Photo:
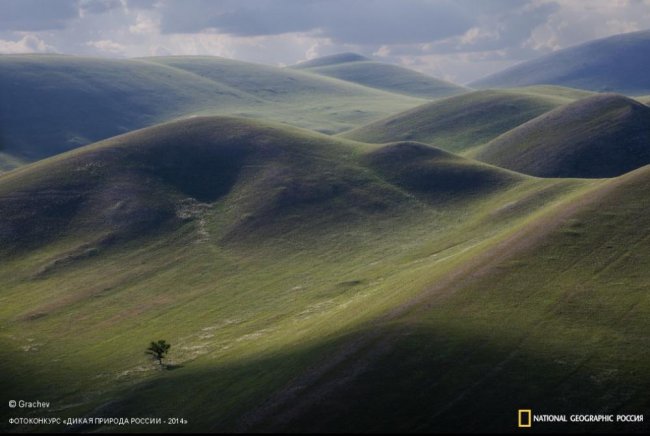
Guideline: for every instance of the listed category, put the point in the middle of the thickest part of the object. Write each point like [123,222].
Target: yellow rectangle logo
[524,418]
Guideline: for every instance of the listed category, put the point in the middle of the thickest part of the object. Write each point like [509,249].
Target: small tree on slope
[158,350]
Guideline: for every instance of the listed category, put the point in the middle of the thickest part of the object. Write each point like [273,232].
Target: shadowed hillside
[53,103]
[358,69]
[600,136]
[459,123]
[437,175]
[614,64]
[135,182]
[265,174]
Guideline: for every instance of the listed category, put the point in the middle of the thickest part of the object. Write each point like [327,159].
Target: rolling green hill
[257,250]
[393,78]
[54,103]
[462,122]
[554,318]
[600,136]
[614,64]
[135,182]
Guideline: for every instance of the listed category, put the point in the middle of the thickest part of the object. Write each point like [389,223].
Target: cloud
[349,21]
[31,15]
[508,29]
[460,40]
[28,44]
[106,45]
[98,6]
[144,24]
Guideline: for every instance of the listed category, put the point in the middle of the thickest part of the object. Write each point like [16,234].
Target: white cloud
[29,43]
[108,46]
[144,24]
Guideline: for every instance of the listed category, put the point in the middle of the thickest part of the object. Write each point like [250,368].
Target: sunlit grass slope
[604,135]
[462,122]
[364,71]
[554,320]
[257,250]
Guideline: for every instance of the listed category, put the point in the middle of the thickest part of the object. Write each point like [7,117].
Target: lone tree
[158,350]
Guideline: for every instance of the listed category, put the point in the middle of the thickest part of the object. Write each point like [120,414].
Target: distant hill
[615,64]
[393,78]
[462,122]
[323,61]
[604,135]
[54,103]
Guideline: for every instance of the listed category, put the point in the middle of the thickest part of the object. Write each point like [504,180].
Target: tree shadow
[173,366]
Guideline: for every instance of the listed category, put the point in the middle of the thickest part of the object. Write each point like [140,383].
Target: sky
[457,40]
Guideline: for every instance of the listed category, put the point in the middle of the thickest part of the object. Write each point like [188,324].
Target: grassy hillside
[601,136]
[294,97]
[554,319]
[462,122]
[54,103]
[610,64]
[387,77]
[136,182]
[256,250]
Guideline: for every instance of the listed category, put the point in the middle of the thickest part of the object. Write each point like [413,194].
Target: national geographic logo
[525,418]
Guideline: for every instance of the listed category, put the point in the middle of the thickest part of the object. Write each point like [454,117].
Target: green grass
[604,135]
[387,77]
[559,326]
[463,122]
[301,245]
[103,98]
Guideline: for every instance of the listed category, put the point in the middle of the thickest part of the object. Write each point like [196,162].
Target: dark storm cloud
[350,21]
[30,15]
